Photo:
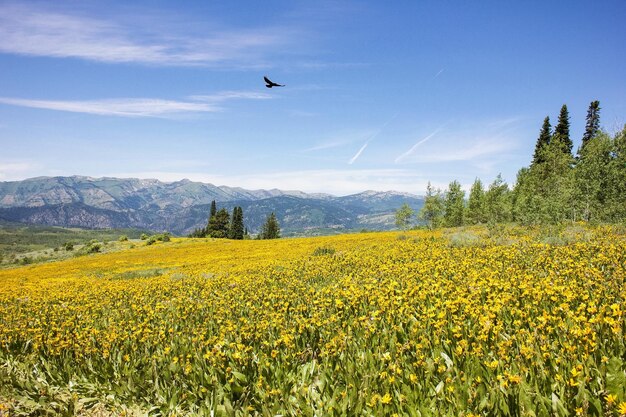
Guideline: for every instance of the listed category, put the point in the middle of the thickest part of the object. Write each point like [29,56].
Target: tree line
[557,186]
[222,225]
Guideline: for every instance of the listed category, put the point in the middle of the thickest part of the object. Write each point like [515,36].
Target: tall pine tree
[219,225]
[213,209]
[561,132]
[544,140]
[593,123]
[236,225]
[270,229]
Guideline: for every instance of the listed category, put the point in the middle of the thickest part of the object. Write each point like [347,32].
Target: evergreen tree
[432,211]
[403,216]
[561,132]
[454,205]
[593,123]
[219,225]
[544,139]
[213,209]
[208,230]
[236,225]
[476,204]
[271,228]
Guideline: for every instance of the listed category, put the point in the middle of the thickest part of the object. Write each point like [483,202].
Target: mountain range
[182,206]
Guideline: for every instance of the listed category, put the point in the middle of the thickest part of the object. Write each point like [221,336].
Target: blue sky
[379,95]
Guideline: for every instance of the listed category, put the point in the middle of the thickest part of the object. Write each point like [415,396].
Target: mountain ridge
[180,206]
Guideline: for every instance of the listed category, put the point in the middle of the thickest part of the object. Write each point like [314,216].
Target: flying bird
[269,83]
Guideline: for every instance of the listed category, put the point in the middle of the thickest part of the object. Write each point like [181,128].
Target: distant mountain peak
[183,205]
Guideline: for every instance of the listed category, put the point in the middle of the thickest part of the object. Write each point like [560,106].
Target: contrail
[356,156]
[414,147]
[439,73]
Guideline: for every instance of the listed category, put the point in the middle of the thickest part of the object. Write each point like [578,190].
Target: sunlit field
[457,323]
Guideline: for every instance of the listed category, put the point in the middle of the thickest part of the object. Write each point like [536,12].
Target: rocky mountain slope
[180,207]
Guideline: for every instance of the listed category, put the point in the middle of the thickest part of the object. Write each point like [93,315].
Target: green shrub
[324,250]
[464,239]
[93,247]
[161,237]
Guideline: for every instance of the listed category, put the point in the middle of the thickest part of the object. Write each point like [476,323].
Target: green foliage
[561,132]
[123,238]
[324,250]
[475,212]
[403,216]
[219,224]
[68,246]
[433,209]
[543,192]
[544,140]
[454,205]
[92,247]
[615,209]
[213,211]
[555,188]
[18,238]
[498,201]
[237,230]
[271,228]
[592,178]
[465,239]
[161,237]
[592,126]
[144,236]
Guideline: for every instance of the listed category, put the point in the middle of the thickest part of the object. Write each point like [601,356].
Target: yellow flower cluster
[376,326]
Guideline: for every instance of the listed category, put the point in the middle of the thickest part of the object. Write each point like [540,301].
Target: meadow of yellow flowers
[369,324]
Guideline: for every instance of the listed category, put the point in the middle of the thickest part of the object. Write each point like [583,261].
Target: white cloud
[137,107]
[480,144]
[35,30]
[14,171]
[332,181]
[341,138]
[468,151]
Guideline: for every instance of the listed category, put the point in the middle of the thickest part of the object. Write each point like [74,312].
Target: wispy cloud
[36,30]
[138,107]
[378,132]
[356,156]
[413,148]
[341,138]
[479,144]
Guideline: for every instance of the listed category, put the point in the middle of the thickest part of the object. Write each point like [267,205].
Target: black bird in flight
[269,83]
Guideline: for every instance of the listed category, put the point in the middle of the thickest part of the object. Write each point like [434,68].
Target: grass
[26,244]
